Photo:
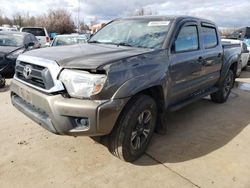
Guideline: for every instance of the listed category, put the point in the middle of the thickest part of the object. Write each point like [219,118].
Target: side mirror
[30,45]
[245,51]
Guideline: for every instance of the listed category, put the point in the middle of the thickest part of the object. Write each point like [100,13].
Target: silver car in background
[65,40]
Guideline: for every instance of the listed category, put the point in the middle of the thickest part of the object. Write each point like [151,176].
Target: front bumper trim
[58,114]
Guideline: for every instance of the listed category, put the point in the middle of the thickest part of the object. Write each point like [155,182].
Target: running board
[195,97]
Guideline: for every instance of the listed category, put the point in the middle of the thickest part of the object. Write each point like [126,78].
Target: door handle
[220,54]
[204,62]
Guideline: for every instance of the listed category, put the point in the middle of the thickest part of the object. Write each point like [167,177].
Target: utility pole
[78,16]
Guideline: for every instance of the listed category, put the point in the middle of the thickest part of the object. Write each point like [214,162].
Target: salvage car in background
[40,33]
[13,44]
[244,58]
[241,33]
[8,29]
[64,40]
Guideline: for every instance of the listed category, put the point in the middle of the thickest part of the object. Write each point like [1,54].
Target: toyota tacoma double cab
[121,83]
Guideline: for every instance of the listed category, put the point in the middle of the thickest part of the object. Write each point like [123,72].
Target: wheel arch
[231,64]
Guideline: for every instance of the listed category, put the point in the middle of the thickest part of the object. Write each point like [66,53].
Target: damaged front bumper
[66,116]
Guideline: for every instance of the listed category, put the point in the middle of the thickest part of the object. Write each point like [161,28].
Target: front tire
[222,95]
[134,129]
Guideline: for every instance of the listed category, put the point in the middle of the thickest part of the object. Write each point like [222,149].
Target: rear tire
[134,129]
[222,95]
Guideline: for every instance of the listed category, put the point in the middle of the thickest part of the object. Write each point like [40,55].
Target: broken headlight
[82,84]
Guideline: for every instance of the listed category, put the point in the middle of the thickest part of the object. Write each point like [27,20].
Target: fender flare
[227,65]
[137,84]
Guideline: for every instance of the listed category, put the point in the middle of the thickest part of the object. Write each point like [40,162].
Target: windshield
[247,42]
[35,31]
[11,40]
[69,40]
[134,33]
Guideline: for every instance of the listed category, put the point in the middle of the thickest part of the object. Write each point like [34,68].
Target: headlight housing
[15,54]
[82,84]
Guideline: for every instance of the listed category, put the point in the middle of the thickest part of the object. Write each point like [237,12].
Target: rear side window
[187,39]
[210,39]
[35,31]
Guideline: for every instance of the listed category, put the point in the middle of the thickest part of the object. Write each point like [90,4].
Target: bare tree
[18,19]
[225,32]
[83,26]
[1,18]
[30,21]
[4,20]
[58,21]
[23,20]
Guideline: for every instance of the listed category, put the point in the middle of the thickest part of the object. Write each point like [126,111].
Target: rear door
[212,54]
[185,65]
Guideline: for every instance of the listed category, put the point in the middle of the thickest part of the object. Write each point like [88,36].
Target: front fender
[138,84]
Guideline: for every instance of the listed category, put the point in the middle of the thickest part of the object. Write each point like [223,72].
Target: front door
[185,62]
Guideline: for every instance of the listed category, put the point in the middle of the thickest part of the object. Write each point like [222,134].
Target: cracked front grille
[39,75]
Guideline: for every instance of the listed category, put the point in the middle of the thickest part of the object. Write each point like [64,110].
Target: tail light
[47,39]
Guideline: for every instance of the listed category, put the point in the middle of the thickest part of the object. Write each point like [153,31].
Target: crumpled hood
[7,49]
[86,56]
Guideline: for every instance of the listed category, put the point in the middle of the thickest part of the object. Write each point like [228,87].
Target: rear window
[210,38]
[35,31]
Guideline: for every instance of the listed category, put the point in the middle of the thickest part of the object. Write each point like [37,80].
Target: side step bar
[191,99]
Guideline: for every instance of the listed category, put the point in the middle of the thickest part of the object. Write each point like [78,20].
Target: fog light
[82,123]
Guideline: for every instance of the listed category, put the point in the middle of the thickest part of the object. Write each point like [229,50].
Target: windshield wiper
[123,44]
[94,41]
[118,44]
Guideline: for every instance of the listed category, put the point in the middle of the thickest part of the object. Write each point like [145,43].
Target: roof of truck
[166,17]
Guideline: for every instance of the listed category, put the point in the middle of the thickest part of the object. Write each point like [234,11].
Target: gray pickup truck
[120,84]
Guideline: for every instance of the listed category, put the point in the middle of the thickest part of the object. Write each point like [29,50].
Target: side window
[209,37]
[187,39]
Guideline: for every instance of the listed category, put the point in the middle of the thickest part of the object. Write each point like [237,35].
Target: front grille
[39,77]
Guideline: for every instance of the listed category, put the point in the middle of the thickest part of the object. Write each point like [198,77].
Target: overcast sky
[226,13]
